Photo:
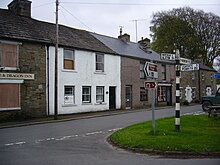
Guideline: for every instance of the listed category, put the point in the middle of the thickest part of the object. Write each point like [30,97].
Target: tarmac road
[83,142]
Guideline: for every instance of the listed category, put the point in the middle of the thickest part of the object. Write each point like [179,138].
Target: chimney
[20,7]
[144,43]
[125,37]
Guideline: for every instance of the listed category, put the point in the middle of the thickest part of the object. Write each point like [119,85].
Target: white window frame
[69,58]
[100,95]
[69,98]
[86,94]
[97,69]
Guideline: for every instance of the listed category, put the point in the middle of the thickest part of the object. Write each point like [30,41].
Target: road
[83,142]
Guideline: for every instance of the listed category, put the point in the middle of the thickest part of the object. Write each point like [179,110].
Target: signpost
[185,61]
[189,67]
[167,56]
[152,85]
[150,70]
[186,67]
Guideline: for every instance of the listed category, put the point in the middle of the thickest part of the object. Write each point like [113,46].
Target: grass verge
[198,134]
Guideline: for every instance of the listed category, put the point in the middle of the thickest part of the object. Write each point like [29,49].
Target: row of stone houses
[95,72]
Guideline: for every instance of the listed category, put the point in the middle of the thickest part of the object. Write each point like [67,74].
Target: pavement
[69,117]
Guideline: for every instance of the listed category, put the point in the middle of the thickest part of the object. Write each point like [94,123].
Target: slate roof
[129,49]
[23,28]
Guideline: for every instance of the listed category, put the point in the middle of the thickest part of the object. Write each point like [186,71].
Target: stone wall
[32,59]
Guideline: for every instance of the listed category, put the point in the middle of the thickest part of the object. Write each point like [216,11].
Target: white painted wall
[84,75]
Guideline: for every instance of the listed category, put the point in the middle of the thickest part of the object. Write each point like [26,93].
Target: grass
[198,134]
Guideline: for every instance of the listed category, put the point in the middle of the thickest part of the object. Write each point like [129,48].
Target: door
[112,98]
[169,96]
[128,97]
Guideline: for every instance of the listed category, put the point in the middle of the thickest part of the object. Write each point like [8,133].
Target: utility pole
[56,67]
[177,107]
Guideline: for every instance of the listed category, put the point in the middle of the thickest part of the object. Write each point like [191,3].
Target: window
[143,94]
[69,95]
[163,72]
[193,92]
[142,74]
[193,75]
[99,94]
[69,59]
[9,96]
[8,55]
[203,76]
[99,58]
[161,94]
[86,94]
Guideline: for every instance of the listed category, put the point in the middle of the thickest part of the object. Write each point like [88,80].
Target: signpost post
[152,85]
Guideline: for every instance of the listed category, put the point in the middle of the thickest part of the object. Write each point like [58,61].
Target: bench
[214,110]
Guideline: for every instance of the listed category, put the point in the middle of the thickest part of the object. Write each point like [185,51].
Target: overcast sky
[105,16]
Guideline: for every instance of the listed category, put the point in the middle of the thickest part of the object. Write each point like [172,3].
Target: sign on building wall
[23,76]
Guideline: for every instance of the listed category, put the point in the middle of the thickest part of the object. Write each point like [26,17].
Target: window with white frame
[69,95]
[99,59]
[86,94]
[142,74]
[100,94]
[69,59]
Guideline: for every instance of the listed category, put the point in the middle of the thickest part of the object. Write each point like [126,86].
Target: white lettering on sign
[23,76]
[185,61]
[167,56]
[150,70]
[190,67]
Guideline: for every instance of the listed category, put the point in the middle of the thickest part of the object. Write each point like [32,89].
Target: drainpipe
[47,80]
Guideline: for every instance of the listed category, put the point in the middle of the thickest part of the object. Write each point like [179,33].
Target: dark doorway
[169,96]
[112,98]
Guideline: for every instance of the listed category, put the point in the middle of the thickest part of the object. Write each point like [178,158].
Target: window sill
[70,71]
[9,68]
[10,109]
[86,103]
[100,72]
[101,103]
[69,105]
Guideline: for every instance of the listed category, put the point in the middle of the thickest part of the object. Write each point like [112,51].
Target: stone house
[198,83]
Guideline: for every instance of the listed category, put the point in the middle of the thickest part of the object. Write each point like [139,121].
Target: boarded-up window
[8,55]
[9,96]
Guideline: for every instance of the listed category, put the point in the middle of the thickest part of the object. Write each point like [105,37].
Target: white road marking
[64,137]
[17,143]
